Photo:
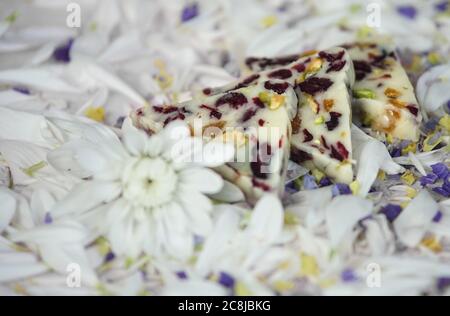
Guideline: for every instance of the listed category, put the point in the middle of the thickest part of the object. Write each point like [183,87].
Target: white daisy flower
[146,194]
[249,261]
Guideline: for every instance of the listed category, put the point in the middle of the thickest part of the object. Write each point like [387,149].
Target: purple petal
[48,218]
[189,12]
[182,275]
[428,179]
[443,283]
[407,11]
[22,90]
[437,218]
[309,183]
[430,125]
[442,6]
[441,191]
[110,256]
[226,280]
[325,181]
[396,152]
[440,169]
[62,53]
[348,275]
[391,211]
[340,189]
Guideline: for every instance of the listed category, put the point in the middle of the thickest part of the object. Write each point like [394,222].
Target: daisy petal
[413,222]
[8,203]
[343,213]
[229,193]
[203,180]
[267,219]
[86,196]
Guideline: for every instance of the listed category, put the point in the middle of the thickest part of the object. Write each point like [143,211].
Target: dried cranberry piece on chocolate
[332,57]
[334,120]
[339,152]
[307,136]
[313,85]
[336,66]
[249,114]
[378,60]
[234,99]
[299,67]
[179,116]
[260,185]
[213,112]
[413,109]
[324,142]
[362,68]
[299,156]
[258,102]
[280,74]
[276,87]
[165,109]
[263,155]
[266,62]
[247,81]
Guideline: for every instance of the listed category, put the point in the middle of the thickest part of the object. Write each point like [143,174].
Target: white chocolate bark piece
[383,95]
[321,129]
[321,132]
[257,119]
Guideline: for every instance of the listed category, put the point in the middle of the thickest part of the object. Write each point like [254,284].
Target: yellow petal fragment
[95,113]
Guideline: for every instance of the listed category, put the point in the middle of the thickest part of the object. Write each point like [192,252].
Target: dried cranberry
[413,109]
[334,120]
[280,74]
[260,185]
[234,99]
[324,142]
[256,167]
[213,112]
[179,116]
[184,110]
[249,114]
[299,67]
[268,62]
[378,60]
[313,85]
[250,61]
[299,156]
[158,109]
[307,136]
[261,122]
[336,66]
[258,102]
[340,153]
[296,124]
[362,68]
[165,109]
[207,91]
[263,154]
[276,87]
[247,81]
[250,79]
[332,57]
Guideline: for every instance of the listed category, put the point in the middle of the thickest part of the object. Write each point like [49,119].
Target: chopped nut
[392,93]
[328,104]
